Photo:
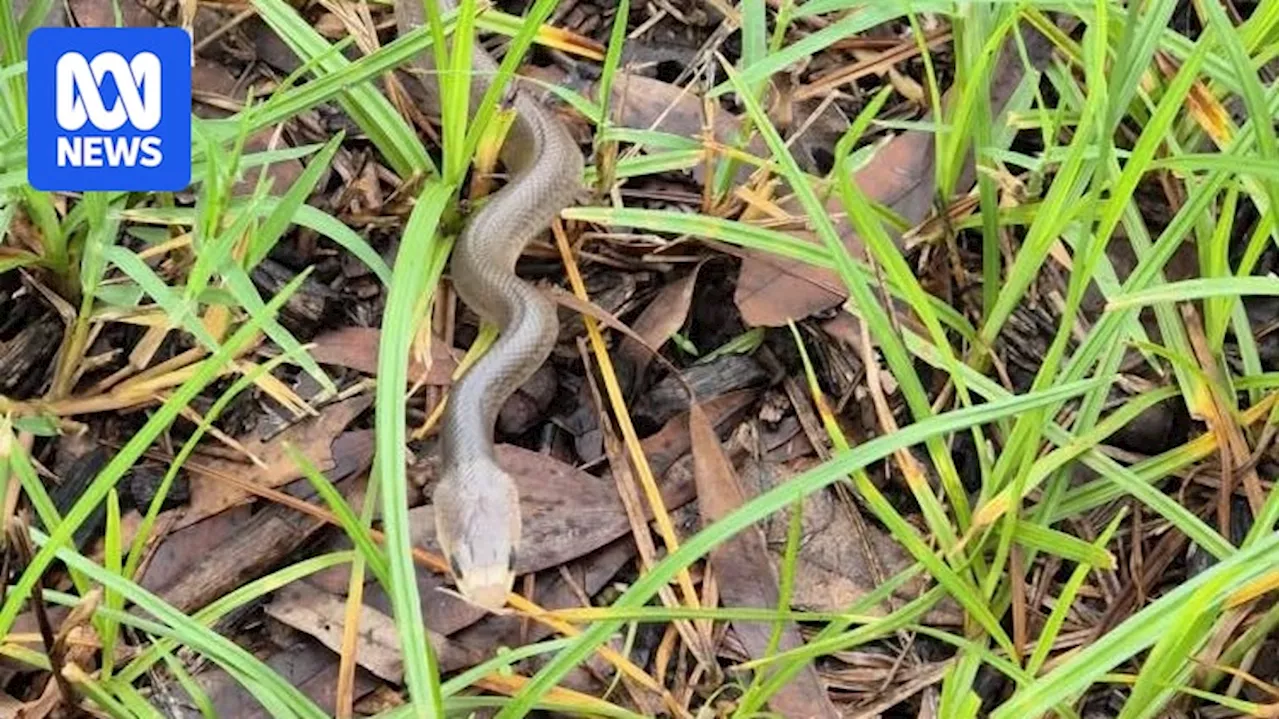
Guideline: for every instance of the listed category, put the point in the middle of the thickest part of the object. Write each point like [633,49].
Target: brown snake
[476,504]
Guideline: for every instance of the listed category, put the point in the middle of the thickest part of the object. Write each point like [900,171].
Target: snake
[476,502]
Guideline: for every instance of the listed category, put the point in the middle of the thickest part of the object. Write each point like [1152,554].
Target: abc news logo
[109,109]
[79,101]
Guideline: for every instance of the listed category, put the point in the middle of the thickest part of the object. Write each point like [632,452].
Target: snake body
[476,503]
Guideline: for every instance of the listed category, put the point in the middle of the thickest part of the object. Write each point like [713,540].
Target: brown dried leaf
[832,570]
[330,26]
[771,290]
[93,13]
[321,615]
[556,531]
[261,540]
[664,316]
[42,706]
[182,549]
[312,438]
[672,442]
[648,103]
[10,706]
[303,663]
[357,348]
[900,176]
[745,574]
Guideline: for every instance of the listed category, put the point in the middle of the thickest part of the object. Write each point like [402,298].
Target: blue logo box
[109,109]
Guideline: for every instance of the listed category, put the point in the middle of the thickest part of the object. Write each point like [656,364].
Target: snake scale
[476,503]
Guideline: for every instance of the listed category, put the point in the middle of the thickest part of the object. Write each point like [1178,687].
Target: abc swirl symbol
[79,100]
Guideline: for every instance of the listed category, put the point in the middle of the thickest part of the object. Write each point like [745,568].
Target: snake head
[478,526]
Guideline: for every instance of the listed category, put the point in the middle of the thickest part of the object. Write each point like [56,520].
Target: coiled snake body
[476,504]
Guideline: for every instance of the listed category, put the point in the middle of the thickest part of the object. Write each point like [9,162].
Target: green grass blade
[347,518]
[1197,289]
[408,285]
[1061,544]
[180,311]
[281,216]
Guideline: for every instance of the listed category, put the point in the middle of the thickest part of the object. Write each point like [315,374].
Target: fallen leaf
[772,290]
[445,613]
[42,706]
[321,615]
[556,531]
[182,549]
[303,663]
[330,26]
[664,316]
[261,541]
[745,574]
[10,706]
[900,175]
[312,438]
[833,567]
[648,103]
[592,559]
[664,447]
[1218,413]
[357,348]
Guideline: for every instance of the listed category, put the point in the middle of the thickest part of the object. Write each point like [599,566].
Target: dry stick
[1018,601]
[20,540]
[624,479]
[663,520]
[344,696]
[224,29]
[873,65]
